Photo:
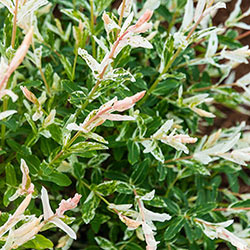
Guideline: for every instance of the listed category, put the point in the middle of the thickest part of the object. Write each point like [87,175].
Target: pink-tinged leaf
[115,117]
[18,58]
[128,102]
[149,237]
[68,204]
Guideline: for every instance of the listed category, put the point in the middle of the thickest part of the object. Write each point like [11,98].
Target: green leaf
[70,86]
[58,178]
[49,73]
[10,175]
[89,207]
[105,244]
[97,221]
[101,5]
[202,209]
[67,66]
[124,188]
[85,146]
[174,227]
[245,203]
[106,188]
[39,242]
[133,152]
[167,87]
[130,245]
[140,173]
[7,194]
[32,161]
[31,123]
[56,133]
[189,231]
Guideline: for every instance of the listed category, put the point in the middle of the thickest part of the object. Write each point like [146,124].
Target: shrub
[104,113]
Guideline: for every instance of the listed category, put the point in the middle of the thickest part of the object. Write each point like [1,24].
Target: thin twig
[179,159]
[122,13]
[231,208]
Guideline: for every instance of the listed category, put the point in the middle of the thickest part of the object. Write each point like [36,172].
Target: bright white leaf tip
[188,16]
[74,126]
[149,196]
[10,93]
[7,113]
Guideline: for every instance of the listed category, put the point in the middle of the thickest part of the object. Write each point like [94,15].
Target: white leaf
[10,93]
[127,9]
[244,80]
[206,32]
[156,216]
[7,113]
[235,12]
[9,5]
[92,63]
[218,5]
[240,244]
[101,44]
[29,7]
[212,45]
[109,23]
[238,55]
[74,126]
[188,16]
[149,237]
[149,145]
[202,112]
[199,9]
[47,211]
[50,118]
[127,22]
[242,25]
[122,207]
[164,128]
[171,141]
[202,157]
[59,223]
[37,115]
[16,217]
[148,196]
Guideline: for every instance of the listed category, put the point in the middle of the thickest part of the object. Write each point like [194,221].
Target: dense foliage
[102,113]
